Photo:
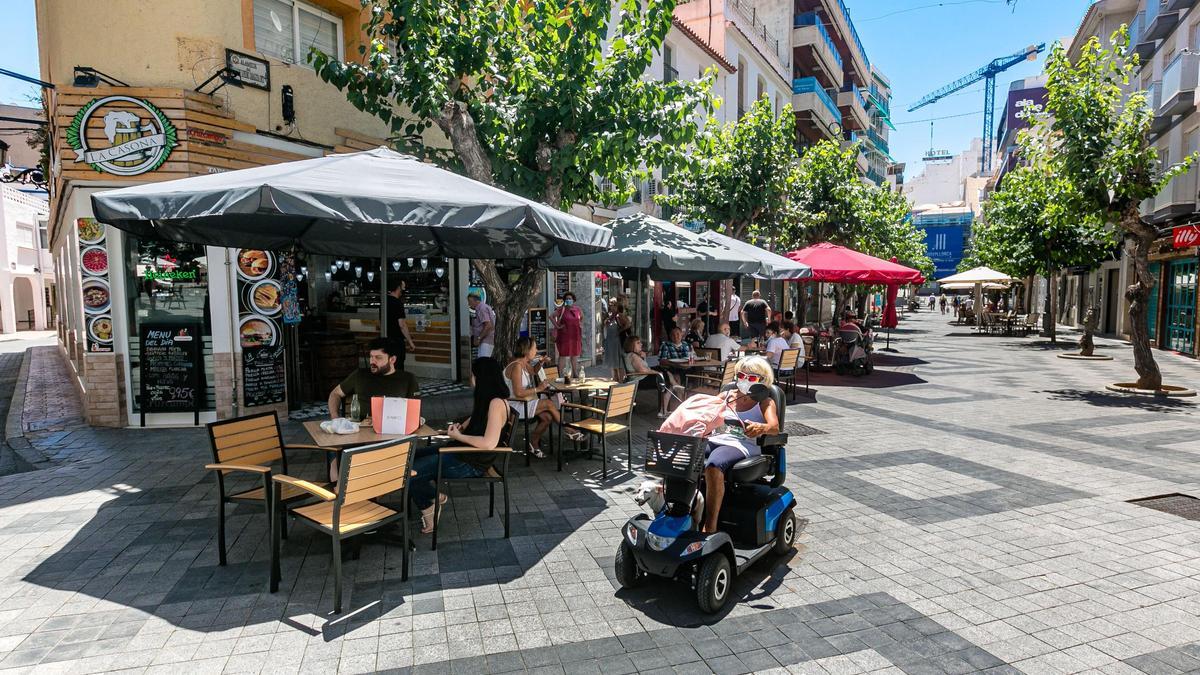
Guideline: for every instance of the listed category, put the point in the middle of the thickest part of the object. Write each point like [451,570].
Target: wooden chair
[250,445]
[366,473]
[710,382]
[603,423]
[789,363]
[1030,323]
[709,353]
[500,475]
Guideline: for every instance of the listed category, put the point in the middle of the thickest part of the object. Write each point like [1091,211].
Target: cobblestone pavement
[967,509]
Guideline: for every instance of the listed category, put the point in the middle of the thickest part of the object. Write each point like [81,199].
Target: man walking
[735,313]
[755,313]
[397,328]
[483,325]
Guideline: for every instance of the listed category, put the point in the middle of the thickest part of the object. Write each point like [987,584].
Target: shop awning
[349,205]
[663,250]
[782,269]
[840,265]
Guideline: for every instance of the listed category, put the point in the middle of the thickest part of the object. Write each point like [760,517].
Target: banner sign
[121,135]
[1186,236]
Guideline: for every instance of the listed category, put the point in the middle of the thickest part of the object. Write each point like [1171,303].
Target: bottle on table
[355,409]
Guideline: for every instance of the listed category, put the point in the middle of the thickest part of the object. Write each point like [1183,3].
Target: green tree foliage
[539,98]
[1034,224]
[1098,132]
[738,177]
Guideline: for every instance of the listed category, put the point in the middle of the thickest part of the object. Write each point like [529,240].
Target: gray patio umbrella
[782,269]
[354,204]
[663,251]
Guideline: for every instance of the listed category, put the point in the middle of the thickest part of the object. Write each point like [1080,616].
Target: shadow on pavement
[1106,399]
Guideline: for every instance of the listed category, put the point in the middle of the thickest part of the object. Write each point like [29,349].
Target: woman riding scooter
[725,450]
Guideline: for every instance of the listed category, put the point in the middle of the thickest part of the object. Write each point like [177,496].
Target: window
[762,89]
[741,88]
[669,72]
[287,30]
[24,237]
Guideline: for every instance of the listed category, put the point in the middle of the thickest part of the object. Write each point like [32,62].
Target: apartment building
[27,293]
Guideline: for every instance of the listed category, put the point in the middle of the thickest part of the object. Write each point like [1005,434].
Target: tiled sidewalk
[966,510]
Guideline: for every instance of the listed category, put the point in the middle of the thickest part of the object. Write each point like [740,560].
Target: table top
[365,436]
[698,363]
[586,384]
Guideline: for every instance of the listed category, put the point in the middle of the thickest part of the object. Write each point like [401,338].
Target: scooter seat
[750,469]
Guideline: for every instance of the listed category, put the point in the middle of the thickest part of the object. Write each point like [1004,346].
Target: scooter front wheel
[714,582]
[625,567]
[785,533]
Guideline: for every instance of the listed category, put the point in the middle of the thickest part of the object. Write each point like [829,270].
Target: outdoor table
[365,436]
[697,363]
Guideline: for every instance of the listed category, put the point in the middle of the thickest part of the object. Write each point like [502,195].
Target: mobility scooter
[756,516]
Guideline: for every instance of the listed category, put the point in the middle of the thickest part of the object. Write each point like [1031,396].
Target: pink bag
[699,415]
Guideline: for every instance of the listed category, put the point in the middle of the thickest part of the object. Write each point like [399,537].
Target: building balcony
[854,110]
[855,140]
[1153,101]
[1143,46]
[1178,88]
[816,50]
[1159,21]
[1179,5]
[878,141]
[1178,198]
[841,28]
[814,105]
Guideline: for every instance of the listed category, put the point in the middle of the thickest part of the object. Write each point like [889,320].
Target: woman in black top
[483,430]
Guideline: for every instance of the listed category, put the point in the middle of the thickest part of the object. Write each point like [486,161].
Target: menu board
[536,319]
[170,369]
[264,376]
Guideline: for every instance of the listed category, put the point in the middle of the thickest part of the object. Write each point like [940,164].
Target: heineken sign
[121,135]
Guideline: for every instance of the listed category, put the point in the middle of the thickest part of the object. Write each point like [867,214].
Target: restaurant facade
[165,333]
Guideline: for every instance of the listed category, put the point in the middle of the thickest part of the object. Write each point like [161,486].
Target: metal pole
[383,288]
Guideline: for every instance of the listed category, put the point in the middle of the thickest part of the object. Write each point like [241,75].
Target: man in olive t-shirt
[380,378]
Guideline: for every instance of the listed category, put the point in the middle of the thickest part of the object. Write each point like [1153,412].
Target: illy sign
[1186,236]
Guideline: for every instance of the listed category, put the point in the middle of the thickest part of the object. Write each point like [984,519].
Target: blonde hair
[697,324]
[757,365]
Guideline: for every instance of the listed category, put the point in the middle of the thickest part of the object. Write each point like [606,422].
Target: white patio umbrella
[978,277]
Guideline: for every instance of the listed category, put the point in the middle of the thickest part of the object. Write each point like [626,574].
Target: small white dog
[650,495]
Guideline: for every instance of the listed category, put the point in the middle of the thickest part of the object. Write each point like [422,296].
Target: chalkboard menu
[170,369]
[264,377]
[536,321]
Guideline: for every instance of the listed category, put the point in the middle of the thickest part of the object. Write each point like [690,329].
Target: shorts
[485,349]
[723,457]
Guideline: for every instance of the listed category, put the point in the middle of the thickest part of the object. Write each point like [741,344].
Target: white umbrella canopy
[979,275]
[990,286]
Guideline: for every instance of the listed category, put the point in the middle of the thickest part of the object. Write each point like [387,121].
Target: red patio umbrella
[840,265]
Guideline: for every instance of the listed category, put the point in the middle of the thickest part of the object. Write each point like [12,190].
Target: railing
[809,85]
[1179,76]
[811,19]
[1180,190]
[858,93]
[854,34]
[1136,28]
[878,140]
[1154,95]
[875,177]
[772,41]
[1153,7]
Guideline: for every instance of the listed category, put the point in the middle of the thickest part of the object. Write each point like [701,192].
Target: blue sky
[921,48]
[918,46]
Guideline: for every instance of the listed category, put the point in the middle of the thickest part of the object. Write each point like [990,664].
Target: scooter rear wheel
[625,567]
[785,533]
[714,582]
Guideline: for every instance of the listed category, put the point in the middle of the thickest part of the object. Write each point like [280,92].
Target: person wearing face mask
[746,420]
[568,340]
[723,340]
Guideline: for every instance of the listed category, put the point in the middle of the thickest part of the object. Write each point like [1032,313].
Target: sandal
[536,451]
[427,522]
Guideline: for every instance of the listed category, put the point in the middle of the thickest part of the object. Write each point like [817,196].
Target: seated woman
[521,378]
[776,343]
[482,430]
[695,337]
[635,365]
[725,450]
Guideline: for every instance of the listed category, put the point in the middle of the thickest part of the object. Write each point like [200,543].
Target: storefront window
[167,283]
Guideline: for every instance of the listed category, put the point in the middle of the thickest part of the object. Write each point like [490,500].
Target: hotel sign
[121,135]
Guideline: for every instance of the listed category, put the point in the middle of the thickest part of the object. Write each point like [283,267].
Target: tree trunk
[510,301]
[1137,247]
[1050,321]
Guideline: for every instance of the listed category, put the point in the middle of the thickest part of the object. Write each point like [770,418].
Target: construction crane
[987,73]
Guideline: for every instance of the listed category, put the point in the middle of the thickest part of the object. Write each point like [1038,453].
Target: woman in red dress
[568,340]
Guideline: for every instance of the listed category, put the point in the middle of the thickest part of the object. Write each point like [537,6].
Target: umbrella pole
[383,288]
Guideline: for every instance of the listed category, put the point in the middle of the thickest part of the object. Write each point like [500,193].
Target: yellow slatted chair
[789,363]
[366,473]
[250,444]
[604,422]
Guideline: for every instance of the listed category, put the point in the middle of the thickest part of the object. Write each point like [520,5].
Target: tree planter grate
[797,429]
[1184,506]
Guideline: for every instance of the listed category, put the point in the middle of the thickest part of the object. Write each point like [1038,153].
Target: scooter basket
[674,456]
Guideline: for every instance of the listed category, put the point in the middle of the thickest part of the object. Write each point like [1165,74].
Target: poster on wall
[170,361]
[261,307]
[94,287]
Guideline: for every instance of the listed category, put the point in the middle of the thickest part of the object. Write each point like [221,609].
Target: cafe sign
[121,135]
[1185,236]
